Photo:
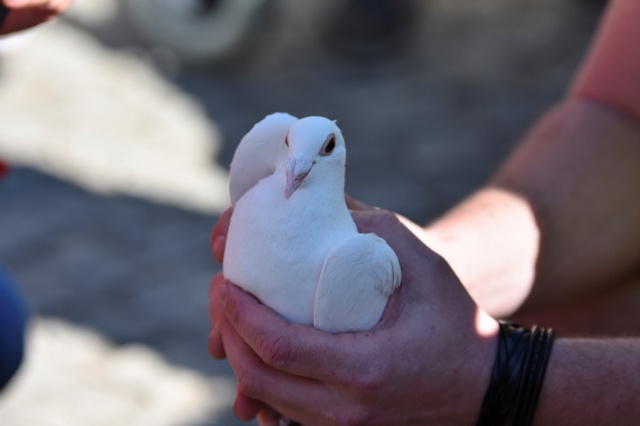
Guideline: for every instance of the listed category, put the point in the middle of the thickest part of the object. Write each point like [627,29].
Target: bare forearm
[591,382]
[567,198]
[610,74]
[579,171]
[562,216]
[491,242]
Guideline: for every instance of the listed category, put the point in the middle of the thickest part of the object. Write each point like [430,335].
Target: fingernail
[223,293]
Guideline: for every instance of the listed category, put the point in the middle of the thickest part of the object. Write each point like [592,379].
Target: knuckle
[233,315]
[368,382]
[250,384]
[387,216]
[216,347]
[356,415]
[375,220]
[439,265]
[275,350]
[381,218]
[366,378]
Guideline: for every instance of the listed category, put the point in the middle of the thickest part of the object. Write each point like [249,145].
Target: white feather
[303,256]
[258,153]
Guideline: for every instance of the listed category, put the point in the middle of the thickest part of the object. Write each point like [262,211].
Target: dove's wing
[258,154]
[357,278]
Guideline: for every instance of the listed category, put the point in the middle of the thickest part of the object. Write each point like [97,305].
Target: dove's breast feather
[292,241]
[276,258]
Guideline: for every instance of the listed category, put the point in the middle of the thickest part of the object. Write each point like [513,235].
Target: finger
[269,417]
[246,408]
[292,348]
[216,315]
[386,225]
[274,388]
[426,276]
[215,308]
[416,229]
[219,235]
[216,347]
[353,204]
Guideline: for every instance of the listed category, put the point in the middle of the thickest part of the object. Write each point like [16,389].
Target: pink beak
[297,171]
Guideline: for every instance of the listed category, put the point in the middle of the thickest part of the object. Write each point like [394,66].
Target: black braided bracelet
[516,379]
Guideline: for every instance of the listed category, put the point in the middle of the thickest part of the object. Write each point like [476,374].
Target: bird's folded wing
[258,153]
[356,280]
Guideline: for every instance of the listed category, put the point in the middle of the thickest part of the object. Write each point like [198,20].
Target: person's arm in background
[25,14]
[561,218]
[610,74]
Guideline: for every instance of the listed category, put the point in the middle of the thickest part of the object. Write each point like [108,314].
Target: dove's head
[314,143]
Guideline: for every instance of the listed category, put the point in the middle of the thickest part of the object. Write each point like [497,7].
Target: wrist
[474,374]
[484,355]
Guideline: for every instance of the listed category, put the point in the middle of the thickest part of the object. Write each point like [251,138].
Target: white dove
[292,241]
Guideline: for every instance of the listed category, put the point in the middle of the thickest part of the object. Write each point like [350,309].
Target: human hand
[219,234]
[428,360]
[29,13]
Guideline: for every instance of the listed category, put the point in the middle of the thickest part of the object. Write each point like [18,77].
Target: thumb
[387,226]
[426,276]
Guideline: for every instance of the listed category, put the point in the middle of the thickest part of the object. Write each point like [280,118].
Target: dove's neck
[324,186]
[331,183]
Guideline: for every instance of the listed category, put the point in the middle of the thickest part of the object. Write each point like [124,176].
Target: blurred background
[120,120]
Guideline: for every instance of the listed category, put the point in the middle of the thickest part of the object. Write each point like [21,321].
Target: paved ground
[121,156]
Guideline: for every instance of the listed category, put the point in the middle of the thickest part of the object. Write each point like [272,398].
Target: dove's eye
[329,146]
[286,140]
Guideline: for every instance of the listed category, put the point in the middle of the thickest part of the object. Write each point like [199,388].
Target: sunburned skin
[610,74]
